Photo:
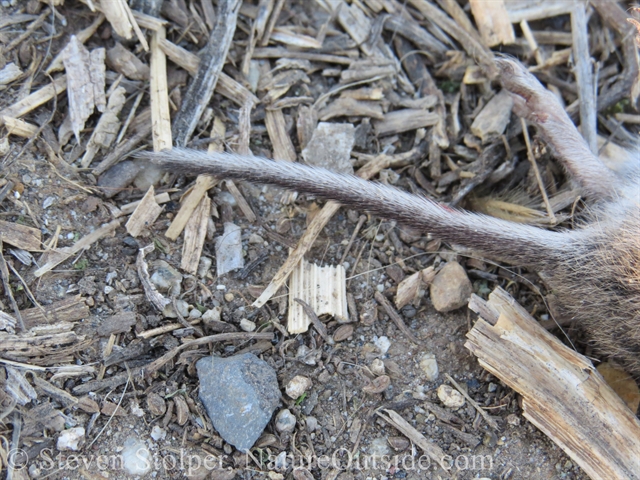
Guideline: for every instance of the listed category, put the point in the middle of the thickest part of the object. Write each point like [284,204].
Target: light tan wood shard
[350,107]
[353,20]
[160,116]
[195,233]
[409,288]
[563,395]
[189,205]
[21,236]
[7,322]
[19,127]
[53,258]
[144,215]
[85,85]
[283,148]
[123,61]
[324,289]
[492,121]
[404,120]
[433,451]
[529,10]
[160,198]
[82,36]
[107,128]
[116,13]
[33,101]
[70,310]
[288,37]
[493,22]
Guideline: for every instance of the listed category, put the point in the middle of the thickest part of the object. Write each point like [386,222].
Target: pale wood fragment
[278,52]
[493,22]
[160,116]
[492,121]
[529,10]
[21,236]
[19,127]
[82,36]
[54,258]
[563,395]
[69,309]
[195,233]
[283,148]
[324,289]
[128,208]
[33,101]
[107,127]
[190,203]
[144,215]
[405,120]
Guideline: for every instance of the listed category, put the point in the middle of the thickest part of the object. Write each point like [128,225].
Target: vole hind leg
[538,105]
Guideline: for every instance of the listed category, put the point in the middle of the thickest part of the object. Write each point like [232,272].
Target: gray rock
[330,147]
[285,421]
[240,394]
[450,288]
[118,177]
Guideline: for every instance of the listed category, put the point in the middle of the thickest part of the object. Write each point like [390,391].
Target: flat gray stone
[240,394]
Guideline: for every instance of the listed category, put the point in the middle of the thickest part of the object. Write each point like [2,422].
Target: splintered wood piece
[7,322]
[190,203]
[277,52]
[283,148]
[82,36]
[160,116]
[68,310]
[354,21]
[404,120]
[535,9]
[33,101]
[53,258]
[155,297]
[324,289]
[160,198]
[204,83]
[305,242]
[493,22]
[123,20]
[350,107]
[195,233]
[226,86]
[288,37]
[563,394]
[492,121]
[468,42]
[145,214]
[434,452]
[85,84]
[18,127]
[41,345]
[21,236]
[107,128]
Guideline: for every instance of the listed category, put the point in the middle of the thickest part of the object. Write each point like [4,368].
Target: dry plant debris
[109,293]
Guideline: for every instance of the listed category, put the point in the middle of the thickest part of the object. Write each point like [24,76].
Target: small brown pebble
[450,397]
[156,404]
[297,386]
[451,288]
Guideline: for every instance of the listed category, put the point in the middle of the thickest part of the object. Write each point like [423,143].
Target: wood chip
[322,288]
[405,120]
[160,116]
[33,101]
[493,22]
[194,236]
[492,121]
[144,215]
[54,258]
[69,310]
[21,236]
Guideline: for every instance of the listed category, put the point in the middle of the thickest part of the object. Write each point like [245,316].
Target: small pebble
[247,325]
[118,177]
[377,367]
[204,266]
[158,433]
[255,239]
[212,315]
[71,439]
[312,424]
[297,386]
[285,421]
[492,387]
[450,397]
[383,343]
[429,366]
[195,313]
[136,458]
[451,288]
[183,309]
[229,297]
[166,278]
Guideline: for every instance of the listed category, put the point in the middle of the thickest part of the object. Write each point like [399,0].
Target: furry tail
[521,244]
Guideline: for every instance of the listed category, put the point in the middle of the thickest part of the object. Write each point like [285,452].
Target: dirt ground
[337,425]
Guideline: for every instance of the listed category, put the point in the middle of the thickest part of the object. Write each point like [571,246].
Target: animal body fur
[594,270]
